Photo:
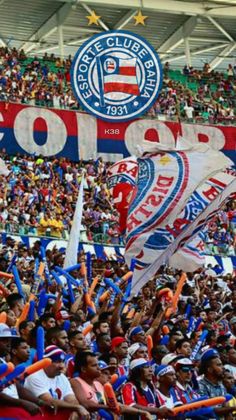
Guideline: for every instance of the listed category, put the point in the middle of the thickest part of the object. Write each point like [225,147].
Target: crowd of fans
[198,96]
[201,96]
[89,340]
[83,322]
[220,238]
[40,195]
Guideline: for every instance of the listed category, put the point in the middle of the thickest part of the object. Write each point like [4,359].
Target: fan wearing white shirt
[51,385]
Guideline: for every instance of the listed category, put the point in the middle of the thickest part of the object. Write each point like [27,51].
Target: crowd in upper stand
[40,195]
[192,95]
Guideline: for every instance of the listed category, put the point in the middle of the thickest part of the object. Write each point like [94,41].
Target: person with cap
[13,398]
[137,351]
[166,395]
[105,375]
[61,317]
[137,335]
[139,391]
[170,359]
[183,388]
[119,347]
[211,384]
[53,387]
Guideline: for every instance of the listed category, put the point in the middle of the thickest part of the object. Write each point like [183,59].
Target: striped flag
[119,75]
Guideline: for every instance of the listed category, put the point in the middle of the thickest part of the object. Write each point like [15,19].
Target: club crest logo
[116,76]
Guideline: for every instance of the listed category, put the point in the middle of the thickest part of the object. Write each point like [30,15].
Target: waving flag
[174,196]
[190,257]
[118,74]
[161,244]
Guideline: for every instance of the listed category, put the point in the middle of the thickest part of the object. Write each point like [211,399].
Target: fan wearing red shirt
[140,393]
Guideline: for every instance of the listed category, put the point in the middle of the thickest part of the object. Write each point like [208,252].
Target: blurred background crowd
[192,95]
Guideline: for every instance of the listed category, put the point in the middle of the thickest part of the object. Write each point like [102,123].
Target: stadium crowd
[74,343]
[193,95]
[156,357]
[40,195]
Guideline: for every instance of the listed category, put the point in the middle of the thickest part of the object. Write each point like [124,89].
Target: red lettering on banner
[164,181]
[152,199]
[211,193]
[156,199]
[123,168]
[178,226]
[144,211]
[132,222]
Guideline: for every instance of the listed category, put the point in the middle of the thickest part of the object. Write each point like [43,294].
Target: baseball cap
[170,358]
[103,365]
[163,370]
[137,363]
[62,315]
[209,354]
[5,331]
[135,331]
[184,363]
[135,347]
[54,353]
[117,341]
[233,320]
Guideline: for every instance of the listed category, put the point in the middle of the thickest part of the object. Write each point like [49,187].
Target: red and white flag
[119,75]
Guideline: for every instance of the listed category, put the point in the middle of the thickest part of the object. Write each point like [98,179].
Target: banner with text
[77,135]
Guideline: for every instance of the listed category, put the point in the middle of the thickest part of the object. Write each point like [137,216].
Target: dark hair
[12,299]
[97,324]
[45,317]
[52,333]
[75,318]
[81,358]
[174,331]
[16,342]
[135,376]
[155,351]
[107,357]
[180,342]
[100,337]
[205,364]
[72,334]
[23,325]
[103,317]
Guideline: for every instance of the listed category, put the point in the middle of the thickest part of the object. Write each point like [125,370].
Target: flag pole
[73,243]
